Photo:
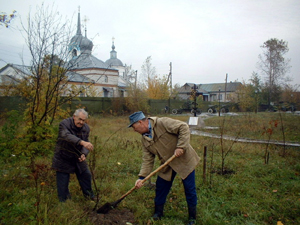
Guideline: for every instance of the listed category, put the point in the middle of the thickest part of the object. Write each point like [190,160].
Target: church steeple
[113,53]
[78,23]
[80,50]
[113,61]
[80,44]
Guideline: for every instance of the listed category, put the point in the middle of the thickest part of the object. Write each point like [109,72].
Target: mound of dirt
[114,216]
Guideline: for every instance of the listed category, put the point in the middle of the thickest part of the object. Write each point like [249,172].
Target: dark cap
[133,118]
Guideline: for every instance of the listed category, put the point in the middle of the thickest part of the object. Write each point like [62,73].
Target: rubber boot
[192,215]
[158,212]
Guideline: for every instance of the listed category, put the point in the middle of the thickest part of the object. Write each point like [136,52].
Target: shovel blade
[105,208]
[108,206]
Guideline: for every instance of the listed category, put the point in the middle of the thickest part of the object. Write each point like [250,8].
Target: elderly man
[164,137]
[71,150]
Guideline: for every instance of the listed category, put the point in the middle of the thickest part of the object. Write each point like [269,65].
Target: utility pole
[170,77]
[225,86]
[135,79]
[219,101]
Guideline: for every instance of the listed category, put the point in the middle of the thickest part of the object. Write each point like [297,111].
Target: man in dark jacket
[71,149]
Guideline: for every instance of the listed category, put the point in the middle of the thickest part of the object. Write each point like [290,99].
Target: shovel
[108,206]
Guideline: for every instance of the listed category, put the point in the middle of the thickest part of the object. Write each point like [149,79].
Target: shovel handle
[159,168]
[151,174]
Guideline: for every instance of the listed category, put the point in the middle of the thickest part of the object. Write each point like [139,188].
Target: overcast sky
[204,40]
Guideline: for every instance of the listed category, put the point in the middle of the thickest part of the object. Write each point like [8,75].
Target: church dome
[113,61]
[80,49]
[83,44]
[80,44]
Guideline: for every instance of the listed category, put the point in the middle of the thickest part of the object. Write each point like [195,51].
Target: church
[89,74]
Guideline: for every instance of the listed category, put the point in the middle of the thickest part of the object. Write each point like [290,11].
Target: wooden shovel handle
[159,168]
[151,174]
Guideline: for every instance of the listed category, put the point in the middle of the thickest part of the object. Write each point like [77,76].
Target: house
[10,75]
[225,92]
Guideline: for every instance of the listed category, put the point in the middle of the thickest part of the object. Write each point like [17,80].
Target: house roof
[184,92]
[187,88]
[84,61]
[76,77]
[210,88]
[214,87]
[25,70]
[8,79]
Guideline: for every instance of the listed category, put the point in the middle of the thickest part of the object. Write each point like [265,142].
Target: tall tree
[274,66]
[158,88]
[155,86]
[137,99]
[47,35]
[247,97]
[148,71]
[256,81]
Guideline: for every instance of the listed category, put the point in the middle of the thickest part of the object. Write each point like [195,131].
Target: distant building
[85,71]
[225,92]
[105,76]
[10,75]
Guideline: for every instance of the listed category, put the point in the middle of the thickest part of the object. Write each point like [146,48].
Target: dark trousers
[62,182]
[163,188]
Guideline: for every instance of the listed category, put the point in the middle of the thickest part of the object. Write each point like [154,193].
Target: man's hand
[178,152]
[138,184]
[88,145]
[82,158]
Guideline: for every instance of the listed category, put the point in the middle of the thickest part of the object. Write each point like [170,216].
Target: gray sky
[204,40]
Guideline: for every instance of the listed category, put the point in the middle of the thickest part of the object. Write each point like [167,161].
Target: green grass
[255,193]
[254,126]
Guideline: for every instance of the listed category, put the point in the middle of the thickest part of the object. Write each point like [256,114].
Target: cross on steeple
[86,19]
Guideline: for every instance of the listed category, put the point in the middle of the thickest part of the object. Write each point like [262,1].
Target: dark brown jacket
[68,150]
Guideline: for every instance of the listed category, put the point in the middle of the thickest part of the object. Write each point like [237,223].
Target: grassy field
[250,192]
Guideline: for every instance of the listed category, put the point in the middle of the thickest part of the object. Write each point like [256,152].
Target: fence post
[204,164]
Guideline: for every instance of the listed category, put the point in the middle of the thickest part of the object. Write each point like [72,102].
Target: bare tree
[148,71]
[130,75]
[274,66]
[47,36]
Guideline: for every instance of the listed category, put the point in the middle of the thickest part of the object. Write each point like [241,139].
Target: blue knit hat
[133,118]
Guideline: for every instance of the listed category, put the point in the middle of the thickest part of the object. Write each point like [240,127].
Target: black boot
[192,214]
[159,212]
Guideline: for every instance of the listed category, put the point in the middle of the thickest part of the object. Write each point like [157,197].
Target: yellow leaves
[279,223]
[158,88]
[246,98]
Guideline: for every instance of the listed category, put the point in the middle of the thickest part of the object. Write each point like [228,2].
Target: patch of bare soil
[114,216]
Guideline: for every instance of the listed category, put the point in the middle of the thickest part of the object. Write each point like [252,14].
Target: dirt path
[246,140]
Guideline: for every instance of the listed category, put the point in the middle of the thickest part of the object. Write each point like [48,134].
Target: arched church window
[74,52]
